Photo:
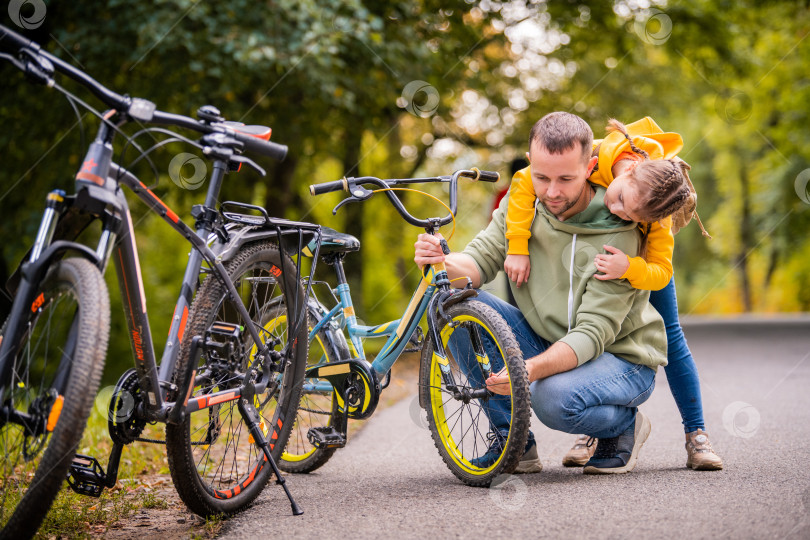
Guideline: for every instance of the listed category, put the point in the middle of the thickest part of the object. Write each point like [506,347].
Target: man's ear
[592,164]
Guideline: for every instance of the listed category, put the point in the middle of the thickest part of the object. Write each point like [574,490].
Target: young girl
[645,183]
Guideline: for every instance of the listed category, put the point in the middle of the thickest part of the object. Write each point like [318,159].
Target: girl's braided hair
[664,186]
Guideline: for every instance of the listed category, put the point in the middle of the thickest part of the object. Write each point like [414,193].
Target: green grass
[78,516]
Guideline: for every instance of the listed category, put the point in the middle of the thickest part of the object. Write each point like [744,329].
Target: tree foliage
[332,79]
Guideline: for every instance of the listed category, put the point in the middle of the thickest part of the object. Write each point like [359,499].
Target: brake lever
[344,201]
[251,163]
[359,193]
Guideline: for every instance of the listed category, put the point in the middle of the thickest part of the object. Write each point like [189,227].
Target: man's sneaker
[619,454]
[701,457]
[581,452]
[497,442]
[529,463]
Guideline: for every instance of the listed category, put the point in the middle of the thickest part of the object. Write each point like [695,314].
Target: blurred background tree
[396,89]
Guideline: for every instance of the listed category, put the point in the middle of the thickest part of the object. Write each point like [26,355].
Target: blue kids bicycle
[465,342]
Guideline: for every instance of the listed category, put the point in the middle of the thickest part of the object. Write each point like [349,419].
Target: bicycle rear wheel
[56,373]
[479,435]
[317,407]
[215,465]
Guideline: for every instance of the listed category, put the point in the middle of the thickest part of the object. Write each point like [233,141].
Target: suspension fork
[27,289]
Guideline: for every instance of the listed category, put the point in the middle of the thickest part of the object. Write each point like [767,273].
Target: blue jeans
[681,370]
[598,398]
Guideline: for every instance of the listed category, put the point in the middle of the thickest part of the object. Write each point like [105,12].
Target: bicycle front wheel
[215,464]
[479,435]
[56,372]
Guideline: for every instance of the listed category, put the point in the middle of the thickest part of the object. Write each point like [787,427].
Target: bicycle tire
[217,435]
[74,304]
[316,409]
[461,430]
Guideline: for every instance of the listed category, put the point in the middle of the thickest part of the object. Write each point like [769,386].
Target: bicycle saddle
[333,241]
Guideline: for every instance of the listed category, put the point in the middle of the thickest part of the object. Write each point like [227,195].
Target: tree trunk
[353,213]
[280,195]
[746,239]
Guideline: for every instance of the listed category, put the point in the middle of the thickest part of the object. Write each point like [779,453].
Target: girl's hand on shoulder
[613,264]
[517,268]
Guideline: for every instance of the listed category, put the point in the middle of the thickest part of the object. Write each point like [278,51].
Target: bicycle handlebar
[145,111]
[354,186]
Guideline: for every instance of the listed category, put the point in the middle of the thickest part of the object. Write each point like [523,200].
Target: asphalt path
[389,481]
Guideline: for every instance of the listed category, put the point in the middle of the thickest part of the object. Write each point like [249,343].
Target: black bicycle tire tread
[521,417]
[181,461]
[85,377]
[321,455]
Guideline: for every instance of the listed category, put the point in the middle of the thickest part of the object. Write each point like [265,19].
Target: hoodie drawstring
[571,282]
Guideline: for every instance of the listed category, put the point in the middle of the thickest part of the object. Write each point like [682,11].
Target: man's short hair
[558,132]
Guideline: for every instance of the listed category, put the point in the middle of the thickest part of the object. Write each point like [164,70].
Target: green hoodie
[561,301]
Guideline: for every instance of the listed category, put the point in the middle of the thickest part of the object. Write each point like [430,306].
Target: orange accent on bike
[264,135]
[279,423]
[237,490]
[56,411]
[169,213]
[183,320]
[38,302]
[275,270]
[90,178]
[213,400]
[126,287]
[275,435]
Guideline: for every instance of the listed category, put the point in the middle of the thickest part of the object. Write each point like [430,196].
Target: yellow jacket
[651,274]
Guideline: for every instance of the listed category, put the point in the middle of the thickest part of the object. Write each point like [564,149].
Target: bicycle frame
[398,331]
[98,196]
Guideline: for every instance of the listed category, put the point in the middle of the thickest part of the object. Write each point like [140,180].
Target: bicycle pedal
[326,437]
[86,477]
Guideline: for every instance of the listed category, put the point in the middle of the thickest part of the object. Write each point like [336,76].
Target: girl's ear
[529,159]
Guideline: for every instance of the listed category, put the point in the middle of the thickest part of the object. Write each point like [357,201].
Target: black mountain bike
[228,383]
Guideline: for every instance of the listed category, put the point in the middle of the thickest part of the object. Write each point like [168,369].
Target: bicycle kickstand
[251,417]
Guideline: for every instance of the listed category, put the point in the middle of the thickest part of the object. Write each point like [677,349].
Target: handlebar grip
[12,41]
[489,176]
[265,148]
[327,187]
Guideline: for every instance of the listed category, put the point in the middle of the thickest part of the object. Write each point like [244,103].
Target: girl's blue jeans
[681,370]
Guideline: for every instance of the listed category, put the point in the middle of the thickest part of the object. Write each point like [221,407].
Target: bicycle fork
[444,298]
